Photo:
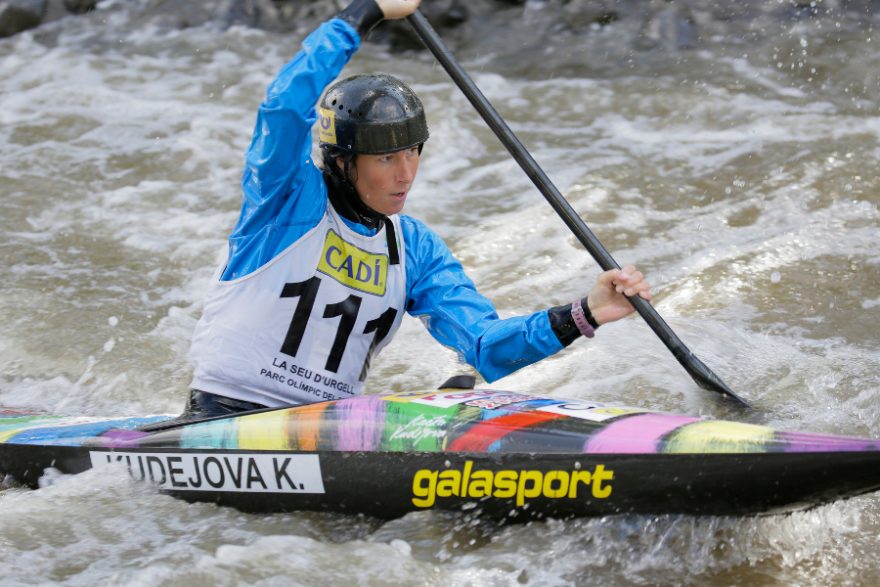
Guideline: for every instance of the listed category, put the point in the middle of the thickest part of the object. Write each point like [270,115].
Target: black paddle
[701,374]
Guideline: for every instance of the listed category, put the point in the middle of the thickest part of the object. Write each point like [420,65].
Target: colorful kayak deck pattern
[472,421]
[47,430]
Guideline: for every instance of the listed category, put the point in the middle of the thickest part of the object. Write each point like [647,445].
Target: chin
[393,210]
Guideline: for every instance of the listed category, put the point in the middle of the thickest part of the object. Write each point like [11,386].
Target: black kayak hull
[515,487]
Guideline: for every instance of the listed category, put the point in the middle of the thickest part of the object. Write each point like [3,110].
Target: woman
[322,265]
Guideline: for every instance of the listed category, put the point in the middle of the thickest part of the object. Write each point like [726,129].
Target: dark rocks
[581,14]
[20,15]
[671,27]
[80,6]
[516,36]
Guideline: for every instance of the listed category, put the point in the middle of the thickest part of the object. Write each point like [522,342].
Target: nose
[406,169]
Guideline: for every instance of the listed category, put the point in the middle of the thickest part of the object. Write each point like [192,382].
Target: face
[383,181]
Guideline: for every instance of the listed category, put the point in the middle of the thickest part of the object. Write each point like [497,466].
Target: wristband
[363,15]
[584,320]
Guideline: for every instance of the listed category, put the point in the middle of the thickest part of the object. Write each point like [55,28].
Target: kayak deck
[507,454]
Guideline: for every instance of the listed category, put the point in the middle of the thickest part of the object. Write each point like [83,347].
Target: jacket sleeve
[459,317]
[281,185]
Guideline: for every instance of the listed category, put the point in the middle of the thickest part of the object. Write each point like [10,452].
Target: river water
[740,175]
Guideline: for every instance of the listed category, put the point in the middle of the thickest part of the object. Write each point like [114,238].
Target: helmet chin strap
[345,200]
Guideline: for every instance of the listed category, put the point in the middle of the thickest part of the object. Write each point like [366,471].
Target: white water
[741,178]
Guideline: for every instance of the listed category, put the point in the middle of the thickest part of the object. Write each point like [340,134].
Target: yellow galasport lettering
[326,126]
[353,267]
[519,485]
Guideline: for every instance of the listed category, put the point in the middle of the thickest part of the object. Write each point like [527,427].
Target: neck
[345,200]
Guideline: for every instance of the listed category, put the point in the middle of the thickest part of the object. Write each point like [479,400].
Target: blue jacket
[285,196]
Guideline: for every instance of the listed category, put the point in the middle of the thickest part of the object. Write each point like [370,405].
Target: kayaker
[322,265]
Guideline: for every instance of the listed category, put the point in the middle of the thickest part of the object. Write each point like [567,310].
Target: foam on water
[746,191]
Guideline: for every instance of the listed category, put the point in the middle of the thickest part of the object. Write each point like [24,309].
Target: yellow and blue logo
[352,266]
[326,126]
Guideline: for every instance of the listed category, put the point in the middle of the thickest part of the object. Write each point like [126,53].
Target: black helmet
[371,114]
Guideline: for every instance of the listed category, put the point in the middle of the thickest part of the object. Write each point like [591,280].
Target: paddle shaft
[701,374]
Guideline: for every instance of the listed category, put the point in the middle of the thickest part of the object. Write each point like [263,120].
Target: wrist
[598,318]
[585,304]
[562,321]
[583,318]
[363,15]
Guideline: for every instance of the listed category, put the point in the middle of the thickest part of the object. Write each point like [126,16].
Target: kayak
[504,454]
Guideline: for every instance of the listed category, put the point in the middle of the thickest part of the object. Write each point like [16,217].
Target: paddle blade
[707,379]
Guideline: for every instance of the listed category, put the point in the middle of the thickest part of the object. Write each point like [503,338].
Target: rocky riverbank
[519,34]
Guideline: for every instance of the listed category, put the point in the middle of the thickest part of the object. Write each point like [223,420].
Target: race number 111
[346,310]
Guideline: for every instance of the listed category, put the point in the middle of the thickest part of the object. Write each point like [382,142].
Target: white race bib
[304,327]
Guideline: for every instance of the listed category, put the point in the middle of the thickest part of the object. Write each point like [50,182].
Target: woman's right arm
[281,145]
[280,148]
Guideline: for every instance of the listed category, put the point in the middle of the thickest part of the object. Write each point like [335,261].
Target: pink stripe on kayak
[361,422]
[637,434]
[810,442]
